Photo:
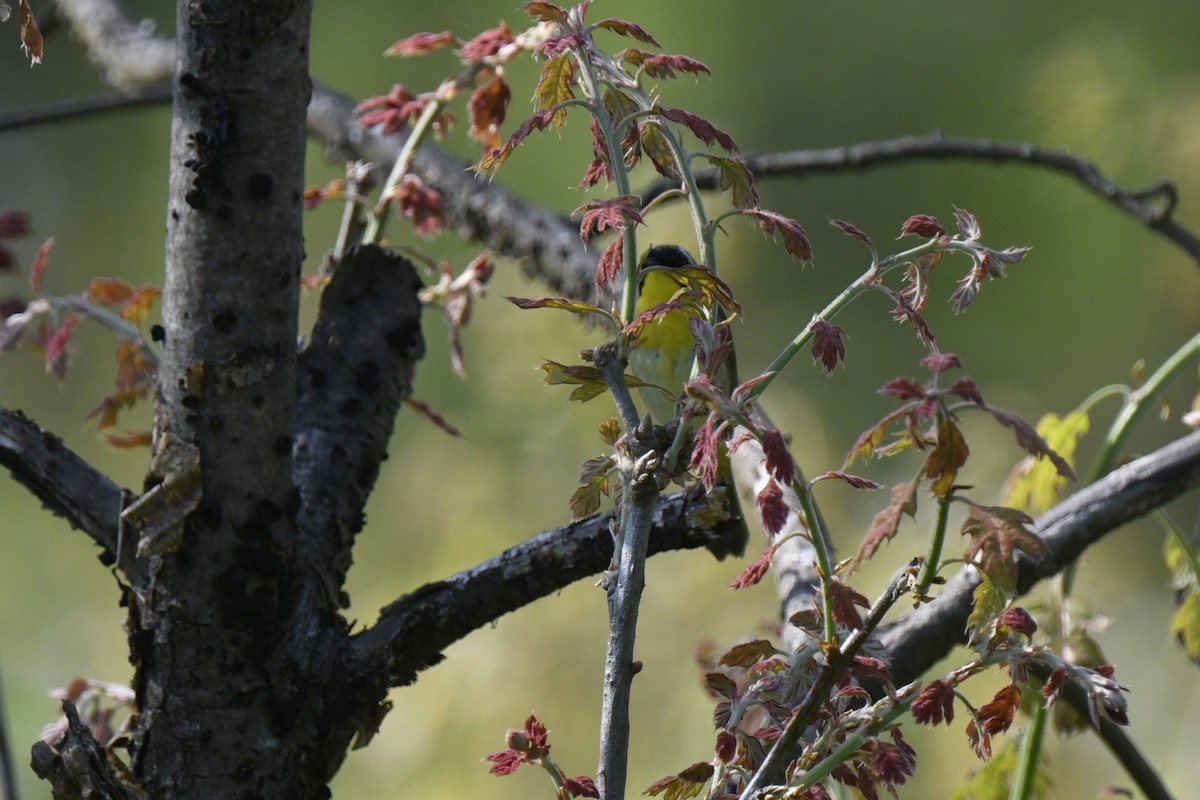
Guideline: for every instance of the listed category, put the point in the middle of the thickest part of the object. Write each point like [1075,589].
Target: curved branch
[927,634]
[64,482]
[1153,206]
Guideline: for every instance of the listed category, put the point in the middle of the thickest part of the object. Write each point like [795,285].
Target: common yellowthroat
[664,356]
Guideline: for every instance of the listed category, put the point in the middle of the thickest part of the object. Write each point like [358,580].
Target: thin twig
[1153,206]
[89,106]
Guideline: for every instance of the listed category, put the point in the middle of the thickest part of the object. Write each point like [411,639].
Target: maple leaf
[610,261]
[747,654]
[688,783]
[594,478]
[934,703]
[580,786]
[421,43]
[773,512]
[996,715]
[56,348]
[795,240]
[41,260]
[654,144]
[779,458]
[843,600]
[1036,483]
[997,533]
[856,481]
[494,158]
[754,573]
[1031,441]
[31,37]
[828,347]
[704,453]
[600,215]
[967,225]
[420,205]
[887,522]
[108,291]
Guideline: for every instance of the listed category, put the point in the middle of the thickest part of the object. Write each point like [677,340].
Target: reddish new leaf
[779,458]
[31,37]
[933,704]
[617,212]
[904,389]
[856,481]
[555,86]
[754,573]
[14,224]
[851,230]
[610,261]
[773,512]
[845,602]
[109,291]
[485,44]
[545,12]
[887,522]
[41,260]
[795,240]
[996,715]
[747,654]
[487,108]
[430,414]
[56,348]
[421,43]
[494,158]
[624,28]
[736,177]
[937,363]
[701,128]
[419,204]
[997,533]
[922,225]
[1032,442]
[828,347]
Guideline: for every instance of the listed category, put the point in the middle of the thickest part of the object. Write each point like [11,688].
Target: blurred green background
[1116,83]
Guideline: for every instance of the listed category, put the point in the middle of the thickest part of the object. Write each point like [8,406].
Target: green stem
[1031,749]
[1138,402]
[933,554]
[820,545]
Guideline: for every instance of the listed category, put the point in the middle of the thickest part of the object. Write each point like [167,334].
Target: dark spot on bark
[224,321]
[406,340]
[244,771]
[216,424]
[195,198]
[257,401]
[351,407]
[283,445]
[252,529]
[261,185]
[174,215]
[368,378]
[294,502]
[285,279]
[191,402]
[206,736]
[282,713]
[260,559]
[225,212]
[158,333]
[192,420]
[316,377]
[189,81]
[267,511]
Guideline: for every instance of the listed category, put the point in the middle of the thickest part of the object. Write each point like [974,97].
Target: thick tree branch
[64,482]
[1153,206]
[926,634]
[412,631]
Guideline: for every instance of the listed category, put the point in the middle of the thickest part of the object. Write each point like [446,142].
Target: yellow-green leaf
[1035,484]
[1185,625]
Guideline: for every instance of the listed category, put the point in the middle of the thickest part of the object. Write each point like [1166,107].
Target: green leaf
[1185,624]
[1037,485]
[555,87]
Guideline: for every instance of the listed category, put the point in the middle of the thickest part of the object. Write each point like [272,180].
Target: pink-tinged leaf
[664,67]
[851,230]
[778,457]
[620,26]
[856,481]
[967,225]
[886,523]
[580,786]
[41,260]
[903,389]
[57,350]
[393,111]
[599,216]
[754,573]
[428,412]
[944,461]
[563,303]
[7,261]
[31,37]
[922,225]
[487,108]
[485,44]
[747,654]
[419,204]
[1018,620]
[421,43]
[1010,255]
[556,46]
[828,347]
[701,128]
[504,763]
[904,312]
[934,704]
[705,454]
[846,601]
[610,261]
[734,176]
[937,363]
[726,746]
[773,512]
[795,240]
[1031,441]
[545,12]
[721,685]
[997,533]
[14,224]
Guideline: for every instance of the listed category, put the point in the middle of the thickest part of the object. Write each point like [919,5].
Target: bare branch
[411,632]
[926,634]
[129,52]
[88,106]
[1153,206]
[78,766]
[64,482]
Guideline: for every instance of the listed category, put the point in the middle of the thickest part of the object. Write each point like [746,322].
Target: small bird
[664,356]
